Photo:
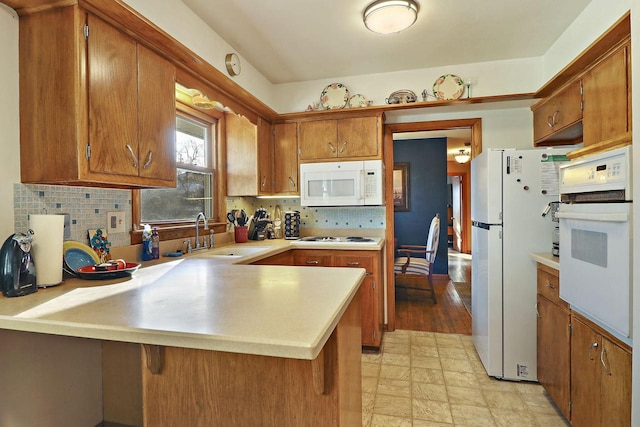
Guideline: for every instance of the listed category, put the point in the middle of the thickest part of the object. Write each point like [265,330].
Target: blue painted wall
[427,160]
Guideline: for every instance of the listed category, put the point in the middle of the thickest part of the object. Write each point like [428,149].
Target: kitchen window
[176,208]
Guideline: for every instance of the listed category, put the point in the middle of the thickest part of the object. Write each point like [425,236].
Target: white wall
[597,17]
[175,18]
[9,118]
[501,128]
[488,78]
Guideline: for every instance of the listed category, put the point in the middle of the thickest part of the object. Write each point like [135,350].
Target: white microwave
[350,183]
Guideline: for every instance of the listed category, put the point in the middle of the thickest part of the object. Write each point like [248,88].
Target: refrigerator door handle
[485,225]
[482,225]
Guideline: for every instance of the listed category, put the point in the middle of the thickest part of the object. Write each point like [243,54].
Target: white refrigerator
[510,189]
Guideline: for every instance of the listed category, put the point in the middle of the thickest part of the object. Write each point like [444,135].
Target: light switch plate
[115,222]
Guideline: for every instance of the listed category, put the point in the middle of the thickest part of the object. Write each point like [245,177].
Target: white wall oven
[596,238]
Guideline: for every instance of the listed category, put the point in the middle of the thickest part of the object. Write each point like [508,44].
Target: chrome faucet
[206,227]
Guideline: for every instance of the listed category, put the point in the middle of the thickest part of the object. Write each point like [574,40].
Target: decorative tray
[92,272]
[402,97]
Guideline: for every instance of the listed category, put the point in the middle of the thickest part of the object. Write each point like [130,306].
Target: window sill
[181,231]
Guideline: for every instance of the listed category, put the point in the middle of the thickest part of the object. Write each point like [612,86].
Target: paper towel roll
[48,233]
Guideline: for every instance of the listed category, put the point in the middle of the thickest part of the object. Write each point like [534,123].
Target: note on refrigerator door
[514,165]
[550,173]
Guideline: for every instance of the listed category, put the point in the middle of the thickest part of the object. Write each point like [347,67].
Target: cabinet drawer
[312,258]
[549,285]
[355,261]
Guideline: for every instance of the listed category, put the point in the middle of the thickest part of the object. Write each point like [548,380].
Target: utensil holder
[241,233]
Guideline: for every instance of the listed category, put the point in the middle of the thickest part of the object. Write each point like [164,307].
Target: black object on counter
[17,269]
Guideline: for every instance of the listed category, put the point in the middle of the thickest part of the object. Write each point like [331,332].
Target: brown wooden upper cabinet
[348,138]
[607,102]
[558,118]
[96,107]
[285,158]
[243,151]
[262,159]
[593,108]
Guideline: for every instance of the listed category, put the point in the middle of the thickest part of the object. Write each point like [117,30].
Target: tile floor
[431,379]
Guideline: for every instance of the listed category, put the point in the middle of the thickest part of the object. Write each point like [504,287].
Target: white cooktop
[337,241]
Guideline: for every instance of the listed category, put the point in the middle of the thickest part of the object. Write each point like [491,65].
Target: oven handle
[602,217]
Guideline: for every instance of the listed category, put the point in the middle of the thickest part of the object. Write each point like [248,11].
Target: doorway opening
[460,222]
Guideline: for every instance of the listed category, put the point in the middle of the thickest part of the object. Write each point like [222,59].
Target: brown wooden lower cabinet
[600,377]
[554,352]
[371,290]
[172,386]
[585,370]
[554,339]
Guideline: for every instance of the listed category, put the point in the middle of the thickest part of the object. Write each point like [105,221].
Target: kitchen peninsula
[200,341]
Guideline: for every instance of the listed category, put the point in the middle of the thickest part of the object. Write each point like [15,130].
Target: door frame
[389,129]
[465,220]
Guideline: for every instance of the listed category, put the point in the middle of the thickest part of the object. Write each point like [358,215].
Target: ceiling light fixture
[462,156]
[390,16]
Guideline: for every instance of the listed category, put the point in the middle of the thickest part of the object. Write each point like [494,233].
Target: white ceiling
[303,40]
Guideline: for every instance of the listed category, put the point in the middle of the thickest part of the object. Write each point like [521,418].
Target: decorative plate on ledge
[447,87]
[334,96]
[357,100]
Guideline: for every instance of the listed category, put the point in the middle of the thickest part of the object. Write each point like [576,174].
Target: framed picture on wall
[401,187]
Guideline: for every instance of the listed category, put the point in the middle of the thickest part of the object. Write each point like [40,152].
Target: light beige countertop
[546,259]
[202,301]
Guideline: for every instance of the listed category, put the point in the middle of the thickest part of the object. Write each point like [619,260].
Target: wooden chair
[412,272]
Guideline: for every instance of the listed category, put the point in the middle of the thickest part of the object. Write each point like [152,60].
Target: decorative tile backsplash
[87,207]
[316,217]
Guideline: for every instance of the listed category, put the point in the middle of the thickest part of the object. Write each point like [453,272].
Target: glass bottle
[155,244]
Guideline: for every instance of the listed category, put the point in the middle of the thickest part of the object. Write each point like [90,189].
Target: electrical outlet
[115,222]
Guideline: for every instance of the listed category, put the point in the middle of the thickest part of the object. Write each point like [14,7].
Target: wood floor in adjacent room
[415,310]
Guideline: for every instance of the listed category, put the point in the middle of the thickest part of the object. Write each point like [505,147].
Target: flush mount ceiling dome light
[462,156]
[390,16]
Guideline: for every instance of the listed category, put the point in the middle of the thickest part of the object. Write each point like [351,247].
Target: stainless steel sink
[234,251]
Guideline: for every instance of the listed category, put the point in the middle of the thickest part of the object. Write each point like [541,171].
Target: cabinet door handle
[604,363]
[264,181]
[353,263]
[537,312]
[344,145]
[331,147]
[135,158]
[552,120]
[549,285]
[149,159]
[292,183]
[312,262]
[594,345]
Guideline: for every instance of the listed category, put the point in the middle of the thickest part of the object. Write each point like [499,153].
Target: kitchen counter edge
[546,259]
